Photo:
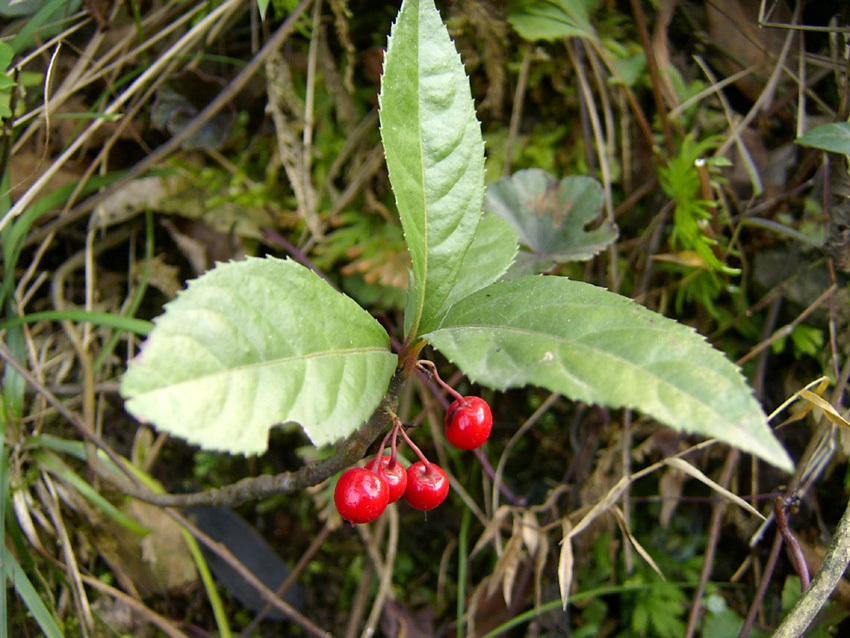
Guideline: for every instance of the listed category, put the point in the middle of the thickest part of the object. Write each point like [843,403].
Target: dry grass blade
[386,578]
[504,573]
[180,47]
[540,559]
[602,506]
[621,521]
[566,562]
[49,494]
[493,528]
[690,470]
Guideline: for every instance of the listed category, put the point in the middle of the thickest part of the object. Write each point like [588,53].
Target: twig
[824,583]
[717,512]
[318,541]
[654,73]
[780,509]
[384,588]
[247,575]
[786,330]
[762,586]
[516,113]
[349,451]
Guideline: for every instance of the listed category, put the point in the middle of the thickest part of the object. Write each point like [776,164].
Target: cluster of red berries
[363,493]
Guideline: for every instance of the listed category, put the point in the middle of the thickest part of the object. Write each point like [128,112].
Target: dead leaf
[829,412]
[539,565]
[602,506]
[565,562]
[154,564]
[504,573]
[689,469]
[492,529]
[530,531]
[163,549]
[161,275]
[621,521]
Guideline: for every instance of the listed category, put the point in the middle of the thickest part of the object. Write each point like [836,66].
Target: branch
[348,451]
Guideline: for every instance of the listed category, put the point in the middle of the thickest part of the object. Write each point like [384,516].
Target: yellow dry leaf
[689,469]
[621,521]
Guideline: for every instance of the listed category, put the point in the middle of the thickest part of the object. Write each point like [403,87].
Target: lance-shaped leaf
[492,251]
[254,343]
[435,154]
[595,346]
[550,218]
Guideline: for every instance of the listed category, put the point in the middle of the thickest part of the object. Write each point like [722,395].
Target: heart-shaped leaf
[595,346]
[549,217]
[254,343]
[435,155]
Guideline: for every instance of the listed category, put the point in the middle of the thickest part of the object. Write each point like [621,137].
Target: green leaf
[254,343]
[491,253]
[6,55]
[834,137]
[29,595]
[128,324]
[552,19]
[549,217]
[598,347]
[435,155]
[60,469]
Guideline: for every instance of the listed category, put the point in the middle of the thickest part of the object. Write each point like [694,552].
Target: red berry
[361,496]
[427,487]
[395,477]
[468,423]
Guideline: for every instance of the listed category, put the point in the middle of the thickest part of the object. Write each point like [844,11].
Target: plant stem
[416,449]
[349,451]
[376,462]
[780,509]
[824,583]
[424,363]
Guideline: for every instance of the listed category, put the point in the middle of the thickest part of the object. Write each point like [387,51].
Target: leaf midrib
[266,363]
[599,351]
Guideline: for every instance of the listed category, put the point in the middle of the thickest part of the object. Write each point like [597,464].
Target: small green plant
[266,341]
